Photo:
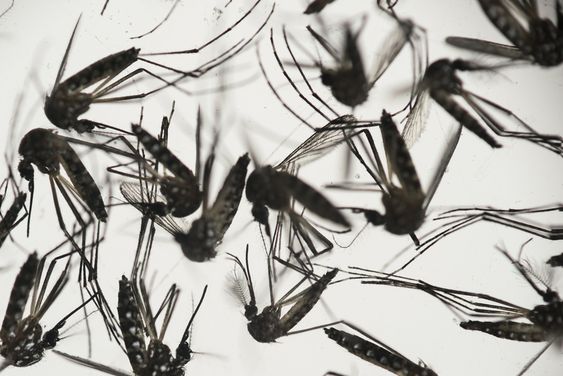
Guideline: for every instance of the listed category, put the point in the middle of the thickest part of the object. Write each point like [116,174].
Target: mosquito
[199,241]
[533,38]
[348,80]
[544,320]
[443,85]
[181,189]
[511,218]
[138,323]
[269,325]
[68,100]
[376,352]
[23,342]
[48,152]
[405,205]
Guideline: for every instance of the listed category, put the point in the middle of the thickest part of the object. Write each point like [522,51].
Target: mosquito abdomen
[131,325]
[500,16]
[444,99]
[515,331]
[83,182]
[97,71]
[11,216]
[376,354]
[19,296]
[307,301]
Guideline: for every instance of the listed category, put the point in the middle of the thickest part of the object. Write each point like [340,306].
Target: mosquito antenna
[187,331]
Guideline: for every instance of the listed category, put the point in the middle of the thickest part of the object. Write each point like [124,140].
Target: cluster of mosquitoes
[174,197]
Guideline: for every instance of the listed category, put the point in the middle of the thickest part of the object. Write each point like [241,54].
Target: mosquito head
[51,337]
[63,110]
[26,170]
[183,354]
[374,217]
[250,311]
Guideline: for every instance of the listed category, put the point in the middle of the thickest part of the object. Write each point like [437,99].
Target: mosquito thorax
[41,147]
[183,197]
[548,316]
[63,111]
[25,347]
[265,326]
[347,85]
[257,185]
[441,75]
[547,49]
[403,212]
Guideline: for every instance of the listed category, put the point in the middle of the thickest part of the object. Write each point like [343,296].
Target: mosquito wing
[486,47]
[91,364]
[138,197]
[319,143]
[443,165]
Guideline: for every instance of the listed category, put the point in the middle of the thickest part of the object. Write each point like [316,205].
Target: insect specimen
[23,342]
[200,240]
[464,217]
[49,151]
[348,80]
[533,38]
[376,352]
[269,325]
[545,321]
[181,190]
[136,318]
[443,86]
[68,100]
[405,205]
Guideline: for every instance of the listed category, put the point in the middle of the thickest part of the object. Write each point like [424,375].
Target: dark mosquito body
[48,151]
[348,81]
[444,86]
[137,322]
[378,353]
[463,217]
[206,233]
[270,324]
[545,321]
[68,99]
[533,38]
[23,342]
[405,205]
[199,241]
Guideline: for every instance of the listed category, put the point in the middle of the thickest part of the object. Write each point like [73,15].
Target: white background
[33,36]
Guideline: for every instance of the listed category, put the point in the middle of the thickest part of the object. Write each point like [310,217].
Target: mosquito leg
[313,93]
[291,82]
